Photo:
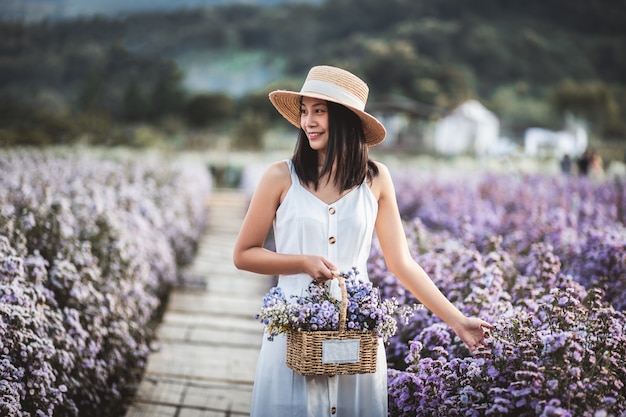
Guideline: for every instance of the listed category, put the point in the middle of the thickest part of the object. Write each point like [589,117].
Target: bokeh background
[449,78]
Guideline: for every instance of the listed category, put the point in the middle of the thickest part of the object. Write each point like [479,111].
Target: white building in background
[470,129]
[547,143]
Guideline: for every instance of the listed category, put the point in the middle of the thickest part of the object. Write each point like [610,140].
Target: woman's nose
[309,120]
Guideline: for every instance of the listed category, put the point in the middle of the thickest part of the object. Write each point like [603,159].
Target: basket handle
[343,313]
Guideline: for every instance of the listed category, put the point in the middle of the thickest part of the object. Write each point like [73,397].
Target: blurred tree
[429,36]
[592,101]
[167,95]
[346,17]
[249,132]
[482,46]
[135,104]
[90,95]
[519,108]
[392,67]
[95,127]
[608,58]
[258,103]
[28,125]
[207,110]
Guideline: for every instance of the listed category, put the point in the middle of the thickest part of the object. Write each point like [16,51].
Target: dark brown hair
[346,144]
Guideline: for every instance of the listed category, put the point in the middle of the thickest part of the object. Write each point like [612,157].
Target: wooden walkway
[208,341]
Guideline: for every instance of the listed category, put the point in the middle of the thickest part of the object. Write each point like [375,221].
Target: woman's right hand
[318,268]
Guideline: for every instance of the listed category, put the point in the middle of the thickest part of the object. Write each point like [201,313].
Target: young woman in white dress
[325,204]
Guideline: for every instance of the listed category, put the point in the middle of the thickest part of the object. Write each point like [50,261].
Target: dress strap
[294,177]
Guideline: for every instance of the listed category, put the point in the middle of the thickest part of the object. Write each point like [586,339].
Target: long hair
[346,145]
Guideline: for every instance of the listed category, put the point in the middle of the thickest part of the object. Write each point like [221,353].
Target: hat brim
[288,105]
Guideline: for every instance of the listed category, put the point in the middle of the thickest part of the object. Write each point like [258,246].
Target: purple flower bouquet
[318,310]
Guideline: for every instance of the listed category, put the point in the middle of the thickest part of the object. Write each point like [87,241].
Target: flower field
[88,249]
[543,258]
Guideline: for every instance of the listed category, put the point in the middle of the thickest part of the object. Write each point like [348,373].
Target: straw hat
[336,85]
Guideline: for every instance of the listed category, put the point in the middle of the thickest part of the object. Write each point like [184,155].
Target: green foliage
[167,96]
[205,110]
[439,52]
[91,92]
[259,104]
[135,106]
[591,100]
[146,136]
[521,107]
[249,132]
[21,124]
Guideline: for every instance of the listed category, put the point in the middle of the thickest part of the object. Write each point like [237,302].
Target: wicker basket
[307,350]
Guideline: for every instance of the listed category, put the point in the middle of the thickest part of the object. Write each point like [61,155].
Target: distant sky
[34,10]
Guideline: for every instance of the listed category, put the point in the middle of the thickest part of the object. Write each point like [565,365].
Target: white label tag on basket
[340,351]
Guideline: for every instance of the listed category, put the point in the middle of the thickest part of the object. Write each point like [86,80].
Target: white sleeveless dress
[342,232]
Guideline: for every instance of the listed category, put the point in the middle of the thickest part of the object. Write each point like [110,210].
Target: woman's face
[314,122]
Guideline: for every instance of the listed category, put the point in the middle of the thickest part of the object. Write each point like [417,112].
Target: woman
[325,204]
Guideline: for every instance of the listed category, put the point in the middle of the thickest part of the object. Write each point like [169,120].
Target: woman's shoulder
[381,183]
[278,170]
[273,184]
[382,168]
[277,174]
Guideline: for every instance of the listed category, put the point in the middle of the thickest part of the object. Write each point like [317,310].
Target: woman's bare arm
[392,238]
[249,253]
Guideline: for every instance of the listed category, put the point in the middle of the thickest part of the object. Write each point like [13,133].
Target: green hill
[529,61]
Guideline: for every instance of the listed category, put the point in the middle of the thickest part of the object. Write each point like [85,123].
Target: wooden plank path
[208,341]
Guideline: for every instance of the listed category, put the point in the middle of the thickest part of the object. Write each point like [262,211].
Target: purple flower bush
[88,250]
[29,381]
[544,260]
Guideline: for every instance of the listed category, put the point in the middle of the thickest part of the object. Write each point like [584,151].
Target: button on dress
[342,232]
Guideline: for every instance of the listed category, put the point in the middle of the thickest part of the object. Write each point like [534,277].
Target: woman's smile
[314,121]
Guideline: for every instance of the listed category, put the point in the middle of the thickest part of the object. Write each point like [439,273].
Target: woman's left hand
[473,332]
